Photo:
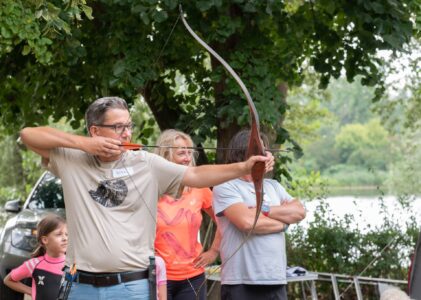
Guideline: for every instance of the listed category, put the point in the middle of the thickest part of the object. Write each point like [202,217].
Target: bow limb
[255,146]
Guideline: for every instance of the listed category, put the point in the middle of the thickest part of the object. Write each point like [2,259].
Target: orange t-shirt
[177,228]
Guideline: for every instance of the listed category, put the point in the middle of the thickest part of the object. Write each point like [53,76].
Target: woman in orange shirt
[178,224]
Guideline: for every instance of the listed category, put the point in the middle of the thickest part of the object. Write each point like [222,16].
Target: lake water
[366,210]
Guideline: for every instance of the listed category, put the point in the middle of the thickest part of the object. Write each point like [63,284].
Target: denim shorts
[137,289]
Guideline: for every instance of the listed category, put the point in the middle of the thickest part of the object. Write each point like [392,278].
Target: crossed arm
[243,218]
[286,213]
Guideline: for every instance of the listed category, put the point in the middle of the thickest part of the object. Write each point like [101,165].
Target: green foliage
[146,130]
[350,103]
[405,170]
[306,114]
[352,175]
[364,145]
[21,167]
[401,108]
[308,185]
[31,26]
[345,143]
[56,57]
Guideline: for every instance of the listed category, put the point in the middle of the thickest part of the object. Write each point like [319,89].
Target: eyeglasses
[119,128]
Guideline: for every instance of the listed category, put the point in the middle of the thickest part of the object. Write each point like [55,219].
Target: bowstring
[139,193]
[167,40]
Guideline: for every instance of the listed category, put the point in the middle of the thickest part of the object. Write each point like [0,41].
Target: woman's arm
[17,285]
[208,257]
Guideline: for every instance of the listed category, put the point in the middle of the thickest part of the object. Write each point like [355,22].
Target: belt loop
[119,278]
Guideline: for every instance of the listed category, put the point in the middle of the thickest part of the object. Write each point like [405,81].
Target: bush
[336,245]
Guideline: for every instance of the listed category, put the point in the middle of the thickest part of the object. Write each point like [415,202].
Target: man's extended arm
[211,175]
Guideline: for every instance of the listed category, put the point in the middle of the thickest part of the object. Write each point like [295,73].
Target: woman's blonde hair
[168,139]
[47,225]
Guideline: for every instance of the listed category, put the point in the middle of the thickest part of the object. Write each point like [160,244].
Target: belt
[107,279]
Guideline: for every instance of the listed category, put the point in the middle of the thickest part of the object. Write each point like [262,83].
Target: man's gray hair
[96,111]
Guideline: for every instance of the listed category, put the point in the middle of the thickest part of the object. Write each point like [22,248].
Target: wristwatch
[266,211]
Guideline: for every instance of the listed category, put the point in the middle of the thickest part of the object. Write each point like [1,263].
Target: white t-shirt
[262,259]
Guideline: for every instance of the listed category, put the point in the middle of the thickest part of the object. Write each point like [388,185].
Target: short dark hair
[238,146]
[96,111]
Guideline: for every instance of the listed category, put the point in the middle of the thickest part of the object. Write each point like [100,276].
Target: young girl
[45,266]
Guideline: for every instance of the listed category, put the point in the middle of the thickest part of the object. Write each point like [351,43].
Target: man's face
[117,125]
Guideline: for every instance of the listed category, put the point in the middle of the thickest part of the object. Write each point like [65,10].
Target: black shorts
[189,289]
[253,292]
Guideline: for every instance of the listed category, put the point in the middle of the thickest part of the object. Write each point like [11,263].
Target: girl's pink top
[46,273]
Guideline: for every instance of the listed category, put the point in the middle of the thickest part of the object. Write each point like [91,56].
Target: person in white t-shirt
[256,268]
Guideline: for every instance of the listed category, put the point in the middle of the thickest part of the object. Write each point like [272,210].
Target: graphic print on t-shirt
[110,193]
[191,223]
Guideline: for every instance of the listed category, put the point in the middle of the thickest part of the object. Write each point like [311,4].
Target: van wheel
[8,294]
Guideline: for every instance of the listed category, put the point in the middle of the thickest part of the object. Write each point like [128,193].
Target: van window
[48,194]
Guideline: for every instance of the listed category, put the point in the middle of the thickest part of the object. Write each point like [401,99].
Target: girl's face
[55,242]
[181,155]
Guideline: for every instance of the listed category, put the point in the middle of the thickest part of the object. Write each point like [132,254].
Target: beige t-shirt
[111,207]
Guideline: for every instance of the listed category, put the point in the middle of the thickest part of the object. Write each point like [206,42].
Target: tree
[57,56]
[406,166]
[365,145]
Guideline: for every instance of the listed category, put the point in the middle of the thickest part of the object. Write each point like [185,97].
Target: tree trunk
[165,116]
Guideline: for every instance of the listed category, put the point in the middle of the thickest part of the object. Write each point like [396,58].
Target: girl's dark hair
[44,228]
[238,146]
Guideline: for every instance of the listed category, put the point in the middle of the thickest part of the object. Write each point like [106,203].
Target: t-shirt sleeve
[207,198]
[285,197]
[225,195]
[161,273]
[281,192]
[52,165]
[169,175]
[24,270]
[60,157]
